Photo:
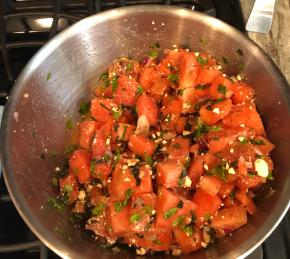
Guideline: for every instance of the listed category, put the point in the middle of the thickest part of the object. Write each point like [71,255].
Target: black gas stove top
[26,25]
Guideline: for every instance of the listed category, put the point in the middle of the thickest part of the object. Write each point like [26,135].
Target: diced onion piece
[261,167]
[142,125]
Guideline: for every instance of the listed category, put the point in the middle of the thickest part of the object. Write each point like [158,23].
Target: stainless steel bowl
[64,72]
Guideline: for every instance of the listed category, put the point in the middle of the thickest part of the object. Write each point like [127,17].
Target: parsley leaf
[201,60]
[85,108]
[129,66]
[48,76]
[140,90]
[169,213]
[114,82]
[104,80]
[153,53]
[222,89]
[173,78]
[215,128]
[124,132]
[69,124]
[98,210]
[135,218]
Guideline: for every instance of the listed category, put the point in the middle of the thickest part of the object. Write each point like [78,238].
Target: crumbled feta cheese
[203,244]
[231,171]
[187,182]
[164,142]
[205,166]
[216,110]
[153,212]
[186,132]
[124,167]
[227,166]
[176,252]
[153,136]
[141,251]
[219,67]
[108,141]
[186,105]
[132,162]
[82,195]
[231,150]
[261,167]
[57,169]
[127,179]
[239,77]
[196,54]
[242,125]
[241,138]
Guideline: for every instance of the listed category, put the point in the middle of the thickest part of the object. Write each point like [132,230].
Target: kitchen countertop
[276,43]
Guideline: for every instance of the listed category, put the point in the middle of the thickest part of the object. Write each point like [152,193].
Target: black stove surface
[25,25]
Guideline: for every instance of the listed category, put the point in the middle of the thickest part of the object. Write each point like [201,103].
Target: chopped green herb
[181,182]
[68,188]
[257,142]
[98,210]
[169,213]
[250,174]
[148,160]
[207,217]
[140,90]
[233,194]
[85,108]
[135,218]
[107,157]
[157,242]
[173,78]
[219,171]
[148,209]
[215,128]
[114,82]
[180,92]
[124,133]
[104,79]
[116,114]
[243,141]
[118,206]
[129,66]
[200,87]
[188,230]
[153,53]
[200,129]
[48,76]
[57,203]
[270,176]
[225,60]
[240,52]
[201,60]
[71,148]
[222,89]
[179,221]
[54,181]
[180,204]
[69,124]
[117,156]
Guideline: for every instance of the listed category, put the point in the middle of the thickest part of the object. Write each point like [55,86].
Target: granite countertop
[277,42]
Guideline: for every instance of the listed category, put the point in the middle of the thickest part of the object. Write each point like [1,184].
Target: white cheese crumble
[205,166]
[216,110]
[241,138]
[239,77]
[261,167]
[176,252]
[187,182]
[231,171]
[186,132]
[82,195]
[231,150]
[141,251]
